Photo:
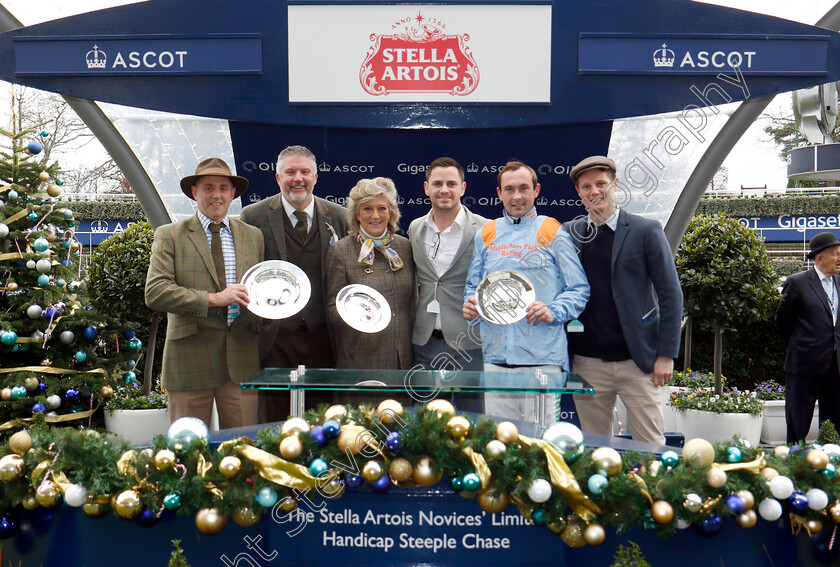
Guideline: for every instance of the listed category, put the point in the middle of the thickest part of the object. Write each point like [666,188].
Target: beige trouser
[636,389]
[236,407]
[519,407]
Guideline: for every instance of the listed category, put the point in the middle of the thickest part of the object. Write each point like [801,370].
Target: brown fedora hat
[213,166]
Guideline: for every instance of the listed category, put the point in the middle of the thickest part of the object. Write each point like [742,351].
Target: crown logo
[542,201]
[324,167]
[400,200]
[663,57]
[254,198]
[99,226]
[472,168]
[96,59]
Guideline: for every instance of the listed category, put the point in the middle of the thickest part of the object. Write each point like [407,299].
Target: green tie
[301,227]
[216,252]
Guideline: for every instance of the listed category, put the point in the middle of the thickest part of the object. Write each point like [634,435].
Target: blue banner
[92,232]
[792,228]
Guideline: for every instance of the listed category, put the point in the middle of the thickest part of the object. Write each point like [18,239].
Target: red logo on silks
[419,58]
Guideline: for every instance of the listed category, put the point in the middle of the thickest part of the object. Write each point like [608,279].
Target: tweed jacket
[391,347]
[447,288]
[270,217]
[201,351]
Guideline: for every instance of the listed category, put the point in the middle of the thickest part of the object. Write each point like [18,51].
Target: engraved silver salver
[503,296]
[277,289]
[363,308]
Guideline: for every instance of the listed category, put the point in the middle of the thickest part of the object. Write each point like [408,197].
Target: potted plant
[774,426]
[681,381]
[136,416]
[717,417]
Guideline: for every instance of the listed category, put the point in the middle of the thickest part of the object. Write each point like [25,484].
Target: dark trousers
[424,355]
[291,349]
[801,393]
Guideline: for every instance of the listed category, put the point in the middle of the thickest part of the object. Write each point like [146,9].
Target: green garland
[106,466]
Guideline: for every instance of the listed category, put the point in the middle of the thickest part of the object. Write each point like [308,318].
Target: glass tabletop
[524,380]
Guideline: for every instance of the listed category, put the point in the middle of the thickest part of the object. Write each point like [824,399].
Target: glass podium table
[421,385]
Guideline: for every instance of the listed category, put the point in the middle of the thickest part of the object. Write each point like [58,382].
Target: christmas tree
[57,354]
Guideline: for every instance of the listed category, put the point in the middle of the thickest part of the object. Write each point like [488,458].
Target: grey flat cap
[592,162]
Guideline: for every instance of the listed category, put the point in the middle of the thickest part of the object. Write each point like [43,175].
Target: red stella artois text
[419,57]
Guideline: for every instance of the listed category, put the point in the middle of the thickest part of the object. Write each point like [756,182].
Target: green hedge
[91,210]
[771,206]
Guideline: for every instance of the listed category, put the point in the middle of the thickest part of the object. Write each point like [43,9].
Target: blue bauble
[12,195]
[799,502]
[596,483]
[382,484]
[71,395]
[266,497]
[172,502]
[68,214]
[146,518]
[734,455]
[735,503]
[186,432]
[66,262]
[44,134]
[41,388]
[354,481]
[669,458]
[129,364]
[81,356]
[394,442]
[34,147]
[829,471]
[538,516]
[128,334]
[90,333]
[18,392]
[318,467]
[60,282]
[456,483]
[331,428]
[566,438]
[709,526]
[9,524]
[43,280]
[8,337]
[59,182]
[66,243]
[39,407]
[130,377]
[135,344]
[49,313]
[41,244]
[317,435]
[471,481]
[33,216]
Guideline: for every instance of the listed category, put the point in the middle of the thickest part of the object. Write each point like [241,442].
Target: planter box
[774,427]
[715,427]
[138,426]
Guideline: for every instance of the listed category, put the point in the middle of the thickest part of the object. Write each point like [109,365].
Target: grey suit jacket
[270,217]
[645,287]
[449,288]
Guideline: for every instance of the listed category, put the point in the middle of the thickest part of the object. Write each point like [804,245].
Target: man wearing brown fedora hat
[193,273]
[808,323]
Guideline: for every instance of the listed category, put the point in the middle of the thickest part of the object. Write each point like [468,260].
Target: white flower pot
[668,412]
[715,427]
[137,426]
[774,426]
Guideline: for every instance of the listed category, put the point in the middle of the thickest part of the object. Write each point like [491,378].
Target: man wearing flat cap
[807,321]
[211,337]
[631,325]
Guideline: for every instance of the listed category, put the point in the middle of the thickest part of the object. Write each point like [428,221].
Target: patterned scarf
[383,243]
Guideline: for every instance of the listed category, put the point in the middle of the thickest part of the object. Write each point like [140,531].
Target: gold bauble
[747,497]
[387,410]
[699,451]
[654,467]
[127,504]
[106,391]
[495,448]
[51,236]
[349,440]
[608,460]
[245,516]
[572,535]
[594,534]
[210,521]
[692,503]
[30,383]
[288,503]
[506,432]
[20,442]
[423,474]
[716,477]
[817,459]
[96,507]
[47,494]
[372,471]
[11,467]
[290,447]
[746,519]
[335,412]
[230,465]
[293,426]
[662,512]
[492,500]
[769,473]
[6,394]
[459,427]
[400,470]
[441,407]
[782,451]
[834,509]
[813,526]
[29,501]
[44,176]
[165,460]
[53,190]
[11,286]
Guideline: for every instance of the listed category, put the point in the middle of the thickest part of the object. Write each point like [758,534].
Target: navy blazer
[804,322]
[645,287]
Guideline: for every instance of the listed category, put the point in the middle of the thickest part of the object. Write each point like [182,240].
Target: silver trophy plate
[277,289]
[363,308]
[503,296]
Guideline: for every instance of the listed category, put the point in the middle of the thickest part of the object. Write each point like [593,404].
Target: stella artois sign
[419,57]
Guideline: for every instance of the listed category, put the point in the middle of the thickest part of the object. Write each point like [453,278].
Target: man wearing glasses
[442,246]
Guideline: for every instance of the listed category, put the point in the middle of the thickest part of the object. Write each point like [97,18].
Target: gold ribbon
[753,467]
[51,370]
[642,487]
[16,217]
[202,468]
[17,423]
[480,465]
[564,481]
[61,481]
[126,463]
[277,470]
[38,471]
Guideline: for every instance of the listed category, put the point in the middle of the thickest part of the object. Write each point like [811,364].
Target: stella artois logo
[419,57]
